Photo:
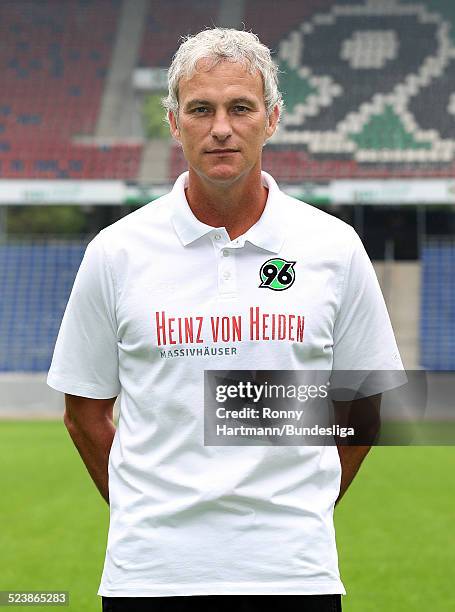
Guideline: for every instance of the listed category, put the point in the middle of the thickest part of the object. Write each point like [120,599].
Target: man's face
[222,122]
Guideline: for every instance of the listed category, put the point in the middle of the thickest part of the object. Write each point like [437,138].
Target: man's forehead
[235,77]
[207,65]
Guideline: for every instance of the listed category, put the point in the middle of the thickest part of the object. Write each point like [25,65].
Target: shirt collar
[267,233]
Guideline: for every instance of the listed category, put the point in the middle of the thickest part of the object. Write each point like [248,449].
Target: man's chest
[236,301]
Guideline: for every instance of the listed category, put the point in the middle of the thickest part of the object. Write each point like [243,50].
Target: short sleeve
[363,335]
[85,359]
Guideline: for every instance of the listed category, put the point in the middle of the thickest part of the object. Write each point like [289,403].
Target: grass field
[395,526]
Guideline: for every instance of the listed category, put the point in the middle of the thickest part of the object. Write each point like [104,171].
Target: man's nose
[221,126]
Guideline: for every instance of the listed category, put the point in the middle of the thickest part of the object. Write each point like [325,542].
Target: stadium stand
[167,22]
[437,316]
[35,283]
[363,100]
[55,55]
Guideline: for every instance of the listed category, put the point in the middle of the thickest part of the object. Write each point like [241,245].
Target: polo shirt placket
[226,253]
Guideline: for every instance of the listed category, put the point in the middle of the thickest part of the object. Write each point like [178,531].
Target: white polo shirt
[159,298]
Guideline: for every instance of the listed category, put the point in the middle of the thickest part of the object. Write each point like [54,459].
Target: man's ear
[272,122]
[175,131]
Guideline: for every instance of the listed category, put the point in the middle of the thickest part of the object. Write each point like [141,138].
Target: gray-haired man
[224,272]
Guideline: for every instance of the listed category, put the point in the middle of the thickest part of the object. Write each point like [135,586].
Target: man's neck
[236,207]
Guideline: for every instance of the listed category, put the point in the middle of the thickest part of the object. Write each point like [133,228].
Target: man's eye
[204,108]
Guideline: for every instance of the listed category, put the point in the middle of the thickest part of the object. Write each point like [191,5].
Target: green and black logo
[277,274]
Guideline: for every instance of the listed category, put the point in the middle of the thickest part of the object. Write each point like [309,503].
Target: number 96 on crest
[277,274]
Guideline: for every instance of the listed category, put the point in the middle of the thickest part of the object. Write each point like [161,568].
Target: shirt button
[225,253]
[217,236]
[227,275]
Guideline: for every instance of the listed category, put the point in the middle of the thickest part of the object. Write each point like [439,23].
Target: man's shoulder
[303,219]
[148,217]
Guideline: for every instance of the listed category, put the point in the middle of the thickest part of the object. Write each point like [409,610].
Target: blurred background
[368,134]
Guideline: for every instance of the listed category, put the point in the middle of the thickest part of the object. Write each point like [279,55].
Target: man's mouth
[222,151]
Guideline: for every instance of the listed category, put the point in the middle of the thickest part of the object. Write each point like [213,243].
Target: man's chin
[221,176]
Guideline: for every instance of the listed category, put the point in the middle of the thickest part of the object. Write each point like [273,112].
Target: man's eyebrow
[241,100]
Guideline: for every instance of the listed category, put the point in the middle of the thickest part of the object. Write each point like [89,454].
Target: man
[195,282]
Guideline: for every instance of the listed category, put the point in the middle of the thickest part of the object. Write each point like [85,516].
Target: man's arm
[351,458]
[90,425]
[363,415]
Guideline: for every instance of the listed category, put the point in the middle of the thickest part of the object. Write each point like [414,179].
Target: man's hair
[217,45]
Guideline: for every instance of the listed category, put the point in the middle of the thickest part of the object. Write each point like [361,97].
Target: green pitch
[395,531]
